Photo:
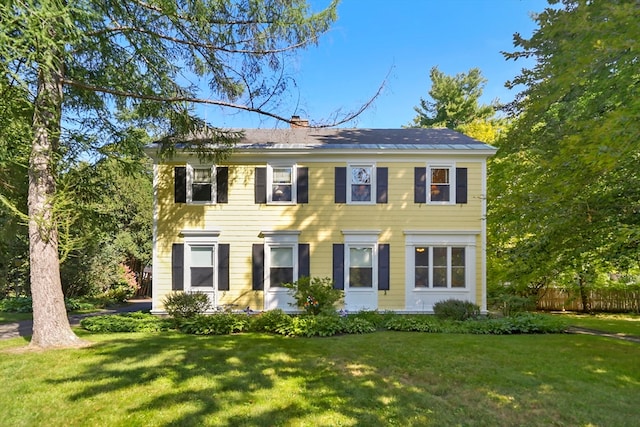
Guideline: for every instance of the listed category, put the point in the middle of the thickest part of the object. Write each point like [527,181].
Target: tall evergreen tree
[95,68]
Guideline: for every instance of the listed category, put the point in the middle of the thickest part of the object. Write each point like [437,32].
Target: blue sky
[396,42]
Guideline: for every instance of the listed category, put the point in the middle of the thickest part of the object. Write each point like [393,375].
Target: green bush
[377,318]
[16,305]
[181,305]
[215,324]
[125,322]
[453,309]
[270,321]
[525,323]
[357,325]
[314,295]
[414,323]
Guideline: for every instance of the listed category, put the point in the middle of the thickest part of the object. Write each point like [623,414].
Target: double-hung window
[281,184]
[440,178]
[360,266]
[361,184]
[201,184]
[281,265]
[440,184]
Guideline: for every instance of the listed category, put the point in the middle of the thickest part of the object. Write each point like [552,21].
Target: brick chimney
[297,122]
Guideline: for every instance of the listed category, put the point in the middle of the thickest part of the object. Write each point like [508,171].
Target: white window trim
[452,183]
[194,238]
[294,182]
[350,167]
[361,239]
[190,173]
[279,239]
[449,240]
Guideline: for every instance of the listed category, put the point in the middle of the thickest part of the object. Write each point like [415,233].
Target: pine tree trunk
[51,326]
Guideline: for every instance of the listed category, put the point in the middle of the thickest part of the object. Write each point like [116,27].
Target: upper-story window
[440,178]
[361,183]
[201,184]
[281,184]
[440,184]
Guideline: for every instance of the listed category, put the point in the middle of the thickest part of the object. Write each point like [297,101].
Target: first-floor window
[360,267]
[281,265]
[440,267]
[201,266]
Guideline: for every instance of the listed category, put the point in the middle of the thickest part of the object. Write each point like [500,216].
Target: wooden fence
[605,300]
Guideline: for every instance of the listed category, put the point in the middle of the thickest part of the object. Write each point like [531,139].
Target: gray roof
[337,138]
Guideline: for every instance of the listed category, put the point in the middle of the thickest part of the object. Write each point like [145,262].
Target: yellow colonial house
[396,217]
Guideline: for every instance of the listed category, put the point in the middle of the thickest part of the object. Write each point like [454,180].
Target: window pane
[440,176]
[439,277]
[440,257]
[361,193]
[280,275]
[201,192]
[202,175]
[281,193]
[360,257]
[281,257]
[360,277]
[457,257]
[201,276]
[282,175]
[457,277]
[202,256]
[422,277]
[361,175]
[422,257]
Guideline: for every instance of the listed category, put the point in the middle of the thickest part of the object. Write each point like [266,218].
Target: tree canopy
[99,74]
[564,187]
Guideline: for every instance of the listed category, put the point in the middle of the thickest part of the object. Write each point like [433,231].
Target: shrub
[215,324]
[377,318]
[125,322]
[16,305]
[314,295]
[181,305]
[453,309]
[270,321]
[357,325]
[414,323]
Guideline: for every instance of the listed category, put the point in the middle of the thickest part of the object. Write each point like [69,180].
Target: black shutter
[420,185]
[257,261]
[383,267]
[304,263]
[303,185]
[260,189]
[461,185]
[223,266]
[222,185]
[338,266]
[177,267]
[180,184]
[382,177]
[341,185]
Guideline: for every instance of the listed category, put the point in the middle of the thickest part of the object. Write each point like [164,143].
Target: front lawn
[381,378]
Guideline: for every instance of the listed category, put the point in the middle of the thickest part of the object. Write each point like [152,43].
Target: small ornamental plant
[314,295]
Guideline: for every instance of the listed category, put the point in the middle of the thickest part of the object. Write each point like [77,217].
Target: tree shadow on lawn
[374,379]
[249,379]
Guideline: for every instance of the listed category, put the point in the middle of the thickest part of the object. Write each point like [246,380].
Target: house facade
[395,217]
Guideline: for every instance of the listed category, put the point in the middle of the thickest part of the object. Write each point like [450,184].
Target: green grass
[378,379]
[624,324]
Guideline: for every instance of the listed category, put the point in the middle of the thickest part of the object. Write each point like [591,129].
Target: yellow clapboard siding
[320,223]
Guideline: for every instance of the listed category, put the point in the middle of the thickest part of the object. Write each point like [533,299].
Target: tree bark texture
[51,326]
